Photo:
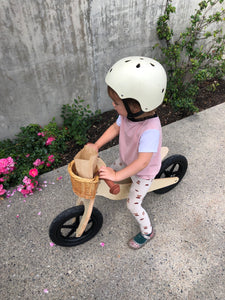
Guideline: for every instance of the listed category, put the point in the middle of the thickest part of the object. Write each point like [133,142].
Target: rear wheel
[173,166]
[63,228]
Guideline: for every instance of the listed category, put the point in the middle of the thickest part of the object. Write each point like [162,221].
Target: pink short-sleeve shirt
[143,136]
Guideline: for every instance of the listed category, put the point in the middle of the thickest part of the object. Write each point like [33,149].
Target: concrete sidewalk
[185,260]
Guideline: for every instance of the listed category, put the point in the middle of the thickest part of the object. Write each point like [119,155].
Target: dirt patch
[167,115]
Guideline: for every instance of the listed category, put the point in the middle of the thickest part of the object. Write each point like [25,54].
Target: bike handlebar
[114,187]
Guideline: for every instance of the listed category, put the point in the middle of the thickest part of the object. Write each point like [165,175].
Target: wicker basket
[83,187]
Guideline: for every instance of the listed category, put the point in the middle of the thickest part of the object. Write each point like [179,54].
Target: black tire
[63,227]
[173,166]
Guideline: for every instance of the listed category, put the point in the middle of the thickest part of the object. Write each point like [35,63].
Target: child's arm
[136,166]
[107,136]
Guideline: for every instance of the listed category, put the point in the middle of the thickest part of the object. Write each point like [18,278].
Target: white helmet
[140,78]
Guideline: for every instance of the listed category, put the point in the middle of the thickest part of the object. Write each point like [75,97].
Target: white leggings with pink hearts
[138,190]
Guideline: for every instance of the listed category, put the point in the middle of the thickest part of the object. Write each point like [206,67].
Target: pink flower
[6,165]
[51,158]
[25,192]
[2,191]
[3,162]
[33,172]
[41,134]
[48,164]
[10,163]
[27,180]
[49,140]
[3,165]
[27,155]
[38,162]
[2,179]
[30,187]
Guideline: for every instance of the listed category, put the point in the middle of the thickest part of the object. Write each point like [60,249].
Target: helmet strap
[145,118]
[131,116]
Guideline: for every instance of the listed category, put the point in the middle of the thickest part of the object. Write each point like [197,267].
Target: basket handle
[114,187]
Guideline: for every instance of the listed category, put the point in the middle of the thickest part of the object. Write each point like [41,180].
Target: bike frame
[103,190]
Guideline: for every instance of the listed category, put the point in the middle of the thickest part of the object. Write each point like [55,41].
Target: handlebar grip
[114,187]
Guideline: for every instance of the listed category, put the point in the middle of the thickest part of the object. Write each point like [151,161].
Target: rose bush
[7,167]
[35,151]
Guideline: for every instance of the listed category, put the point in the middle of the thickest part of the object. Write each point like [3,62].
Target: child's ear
[134,108]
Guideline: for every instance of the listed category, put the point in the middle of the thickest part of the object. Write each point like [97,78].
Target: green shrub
[41,148]
[61,137]
[32,143]
[78,119]
[187,61]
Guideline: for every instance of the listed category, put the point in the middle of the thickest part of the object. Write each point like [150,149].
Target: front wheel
[173,166]
[62,230]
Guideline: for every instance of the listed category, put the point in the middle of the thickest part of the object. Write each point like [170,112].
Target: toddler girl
[137,87]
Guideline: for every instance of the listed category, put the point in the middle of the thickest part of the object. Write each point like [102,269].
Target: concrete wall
[53,51]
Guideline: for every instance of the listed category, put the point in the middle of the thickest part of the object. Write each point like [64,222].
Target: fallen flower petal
[59,178]
[20,187]
[17,216]
[45,291]
[39,213]
[51,244]
[13,192]
[9,194]
[102,244]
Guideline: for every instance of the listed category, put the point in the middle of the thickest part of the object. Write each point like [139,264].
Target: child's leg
[138,190]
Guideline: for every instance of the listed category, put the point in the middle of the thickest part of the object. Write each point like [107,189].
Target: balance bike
[79,224]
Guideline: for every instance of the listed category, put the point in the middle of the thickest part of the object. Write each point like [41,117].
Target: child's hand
[94,146]
[107,173]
